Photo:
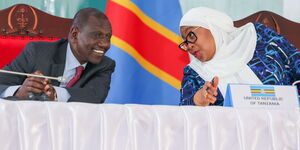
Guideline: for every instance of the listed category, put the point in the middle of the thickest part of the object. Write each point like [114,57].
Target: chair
[25,20]
[22,23]
[285,27]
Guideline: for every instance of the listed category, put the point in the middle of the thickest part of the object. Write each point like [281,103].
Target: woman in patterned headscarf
[219,52]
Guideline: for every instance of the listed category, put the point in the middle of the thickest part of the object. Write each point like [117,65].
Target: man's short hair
[81,17]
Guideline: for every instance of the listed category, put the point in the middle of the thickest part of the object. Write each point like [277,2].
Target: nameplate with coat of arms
[270,96]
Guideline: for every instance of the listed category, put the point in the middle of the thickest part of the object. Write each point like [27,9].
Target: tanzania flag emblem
[262,91]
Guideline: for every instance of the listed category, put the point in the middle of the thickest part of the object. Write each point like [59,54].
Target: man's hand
[35,85]
[207,94]
[50,92]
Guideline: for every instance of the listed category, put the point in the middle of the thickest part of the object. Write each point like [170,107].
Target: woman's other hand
[207,94]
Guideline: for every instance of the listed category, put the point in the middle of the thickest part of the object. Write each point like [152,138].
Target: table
[28,125]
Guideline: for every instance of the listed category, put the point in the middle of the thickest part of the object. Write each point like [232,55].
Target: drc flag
[149,64]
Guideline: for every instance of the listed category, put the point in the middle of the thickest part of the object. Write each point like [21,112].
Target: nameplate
[260,96]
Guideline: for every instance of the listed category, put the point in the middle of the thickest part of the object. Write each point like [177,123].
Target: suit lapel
[90,70]
[57,68]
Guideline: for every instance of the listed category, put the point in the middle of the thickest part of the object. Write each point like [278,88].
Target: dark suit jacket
[49,58]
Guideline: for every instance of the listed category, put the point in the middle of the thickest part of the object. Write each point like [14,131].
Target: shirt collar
[71,60]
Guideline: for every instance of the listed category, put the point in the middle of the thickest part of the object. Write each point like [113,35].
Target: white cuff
[62,94]
[10,91]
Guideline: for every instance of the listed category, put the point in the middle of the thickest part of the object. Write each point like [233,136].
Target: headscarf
[234,48]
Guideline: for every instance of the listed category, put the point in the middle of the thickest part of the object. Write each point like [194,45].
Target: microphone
[36,96]
[59,79]
[296,82]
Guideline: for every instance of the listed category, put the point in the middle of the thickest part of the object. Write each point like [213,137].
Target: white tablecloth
[78,126]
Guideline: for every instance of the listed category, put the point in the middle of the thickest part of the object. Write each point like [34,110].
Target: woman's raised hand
[207,94]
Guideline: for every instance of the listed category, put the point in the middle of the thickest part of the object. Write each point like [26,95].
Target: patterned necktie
[78,73]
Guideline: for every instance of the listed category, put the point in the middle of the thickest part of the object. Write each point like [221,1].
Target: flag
[149,64]
[262,91]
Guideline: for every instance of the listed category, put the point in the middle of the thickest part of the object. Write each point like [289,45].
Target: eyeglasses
[190,38]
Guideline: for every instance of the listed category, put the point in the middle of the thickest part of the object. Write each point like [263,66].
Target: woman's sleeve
[292,60]
[189,86]
[290,54]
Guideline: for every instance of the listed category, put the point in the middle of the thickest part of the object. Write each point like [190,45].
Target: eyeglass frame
[186,40]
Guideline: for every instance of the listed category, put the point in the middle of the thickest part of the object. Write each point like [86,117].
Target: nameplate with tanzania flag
[260,96]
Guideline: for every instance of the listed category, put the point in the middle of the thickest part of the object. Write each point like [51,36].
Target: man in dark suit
[88,41]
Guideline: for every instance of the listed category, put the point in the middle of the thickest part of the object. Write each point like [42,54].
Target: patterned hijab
[234,48]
